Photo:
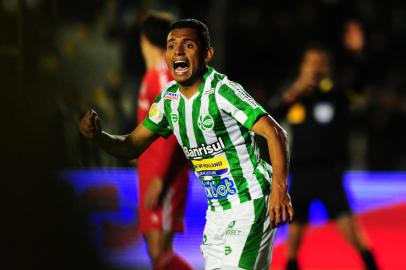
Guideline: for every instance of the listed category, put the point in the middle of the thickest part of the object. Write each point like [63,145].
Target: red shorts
[169,214]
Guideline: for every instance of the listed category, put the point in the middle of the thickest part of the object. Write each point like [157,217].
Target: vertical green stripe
[252,113]
[164,121]
[195,117]
[263,181]
[254,160]
[225,203]
[237,173]
[167,104]
[182,123]
[212,208]
[228,93]
[199,137]
[159,97]
[250,251]
[168,111]
[231,153]
[216,79]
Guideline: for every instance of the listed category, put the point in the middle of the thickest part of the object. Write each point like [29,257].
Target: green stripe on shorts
[250,251]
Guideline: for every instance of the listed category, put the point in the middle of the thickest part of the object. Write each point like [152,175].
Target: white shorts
[240,237]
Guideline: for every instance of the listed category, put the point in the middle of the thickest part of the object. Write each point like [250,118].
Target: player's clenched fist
[90,125]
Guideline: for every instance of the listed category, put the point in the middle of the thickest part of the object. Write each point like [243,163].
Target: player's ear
[209,54]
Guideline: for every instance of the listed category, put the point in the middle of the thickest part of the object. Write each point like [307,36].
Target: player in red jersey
[162,169]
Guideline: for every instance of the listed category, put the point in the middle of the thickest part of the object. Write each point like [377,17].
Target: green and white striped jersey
[213,128]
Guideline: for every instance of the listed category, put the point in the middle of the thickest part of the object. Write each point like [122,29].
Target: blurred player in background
[317,110]
[162,168]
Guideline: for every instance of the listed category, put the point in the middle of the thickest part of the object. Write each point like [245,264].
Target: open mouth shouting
[180,67]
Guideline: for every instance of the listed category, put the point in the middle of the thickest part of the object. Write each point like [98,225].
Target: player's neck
[189,90]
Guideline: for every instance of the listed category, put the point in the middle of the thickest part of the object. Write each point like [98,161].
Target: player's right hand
[90,125]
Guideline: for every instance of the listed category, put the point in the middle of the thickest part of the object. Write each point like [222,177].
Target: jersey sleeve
[235,101]
[156,120]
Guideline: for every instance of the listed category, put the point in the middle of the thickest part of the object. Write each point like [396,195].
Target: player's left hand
[280,206]
[154,191]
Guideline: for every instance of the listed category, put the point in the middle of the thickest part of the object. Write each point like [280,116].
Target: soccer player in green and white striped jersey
[214,120]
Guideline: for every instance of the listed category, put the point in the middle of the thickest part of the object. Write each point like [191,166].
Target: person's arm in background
[288,94]
[280,206]
[304,84]
[121,146]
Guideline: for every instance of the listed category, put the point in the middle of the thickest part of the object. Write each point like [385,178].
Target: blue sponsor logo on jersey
[171,96]
[221,190]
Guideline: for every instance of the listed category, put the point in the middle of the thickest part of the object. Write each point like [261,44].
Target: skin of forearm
[117,145]
[278,149]
[279,154]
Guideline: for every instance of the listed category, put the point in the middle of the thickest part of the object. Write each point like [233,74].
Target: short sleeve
[235,101]
[156,120]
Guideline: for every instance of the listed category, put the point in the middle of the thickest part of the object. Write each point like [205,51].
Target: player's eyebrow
[185,39]
[189,39]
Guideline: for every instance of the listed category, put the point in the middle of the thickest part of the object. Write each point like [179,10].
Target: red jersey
[163,159]
[154,159]
[153,82]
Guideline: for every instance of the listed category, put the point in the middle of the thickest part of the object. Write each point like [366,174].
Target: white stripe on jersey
[157,117]
[174,108]
[189,122]
[264,257]
[243,156]
[189,109]
[239,142]
[209,135]
[230,108]
[168,85]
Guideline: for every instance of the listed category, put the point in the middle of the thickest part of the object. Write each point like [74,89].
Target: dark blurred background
[60,58]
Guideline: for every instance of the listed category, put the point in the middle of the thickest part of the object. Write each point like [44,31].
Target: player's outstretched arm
[122,146]
[280,206]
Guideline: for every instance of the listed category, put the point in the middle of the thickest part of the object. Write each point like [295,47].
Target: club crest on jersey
[219,190]
[205,122]
[171,96]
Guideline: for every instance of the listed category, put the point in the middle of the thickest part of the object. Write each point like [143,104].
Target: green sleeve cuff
[157,129]
[256,114]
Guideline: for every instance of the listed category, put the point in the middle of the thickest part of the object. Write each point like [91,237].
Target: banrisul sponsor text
[205,149]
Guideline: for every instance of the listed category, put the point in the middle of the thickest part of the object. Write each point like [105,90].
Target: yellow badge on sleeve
[154,111]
